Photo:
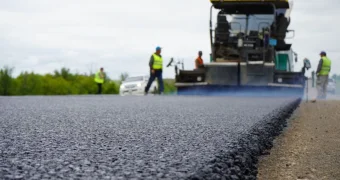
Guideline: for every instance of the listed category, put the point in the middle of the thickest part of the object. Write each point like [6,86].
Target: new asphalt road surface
[113,137]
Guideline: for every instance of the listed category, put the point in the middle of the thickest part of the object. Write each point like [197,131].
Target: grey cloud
[121,37]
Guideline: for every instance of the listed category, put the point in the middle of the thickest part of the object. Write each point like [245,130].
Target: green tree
[110,88]
[30,84]
[6,81]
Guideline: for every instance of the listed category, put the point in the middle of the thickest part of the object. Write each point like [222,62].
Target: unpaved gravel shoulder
[309,148]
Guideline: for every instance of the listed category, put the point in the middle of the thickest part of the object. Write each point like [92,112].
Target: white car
[331,86]
[135,85]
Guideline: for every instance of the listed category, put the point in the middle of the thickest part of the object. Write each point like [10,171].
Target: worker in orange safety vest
[199,61]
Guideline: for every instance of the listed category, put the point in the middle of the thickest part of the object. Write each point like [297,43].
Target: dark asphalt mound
[109,137]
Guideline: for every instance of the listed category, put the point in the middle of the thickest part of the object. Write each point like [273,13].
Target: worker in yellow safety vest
[156,70]
[322,73]
[99,79]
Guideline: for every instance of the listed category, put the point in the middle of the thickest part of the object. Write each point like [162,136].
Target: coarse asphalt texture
[152,137]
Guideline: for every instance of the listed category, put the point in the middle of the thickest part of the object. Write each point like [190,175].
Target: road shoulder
[309,148]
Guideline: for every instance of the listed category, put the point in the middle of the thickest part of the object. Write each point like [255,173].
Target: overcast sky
[44,35]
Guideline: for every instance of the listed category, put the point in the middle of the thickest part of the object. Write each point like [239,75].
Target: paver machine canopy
[246,30]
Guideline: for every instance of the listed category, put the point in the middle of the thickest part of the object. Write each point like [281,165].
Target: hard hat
[158,48]
[322,53]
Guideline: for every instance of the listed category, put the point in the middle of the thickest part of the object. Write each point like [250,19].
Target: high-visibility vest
[200,62]
[326,66]
[157,62]
[97,78]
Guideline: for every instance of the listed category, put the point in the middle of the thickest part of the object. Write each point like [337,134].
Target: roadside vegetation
[63,82]
[60,82]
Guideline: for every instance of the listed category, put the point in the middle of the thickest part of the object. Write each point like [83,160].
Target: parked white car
[331,86]
[135,85]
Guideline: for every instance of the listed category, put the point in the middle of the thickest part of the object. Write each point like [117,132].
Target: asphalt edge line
[241,162]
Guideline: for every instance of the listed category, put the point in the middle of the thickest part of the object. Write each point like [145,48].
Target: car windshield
[131,79]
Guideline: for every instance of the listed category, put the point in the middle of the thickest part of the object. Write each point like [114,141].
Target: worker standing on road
[156,70]
[199,60]
[99,79]
[322,74]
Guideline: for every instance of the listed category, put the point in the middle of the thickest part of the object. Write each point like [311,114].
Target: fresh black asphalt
[112,137]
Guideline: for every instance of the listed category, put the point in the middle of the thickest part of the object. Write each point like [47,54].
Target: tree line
[60,82]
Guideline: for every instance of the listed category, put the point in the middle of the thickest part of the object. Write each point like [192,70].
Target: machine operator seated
[222,29]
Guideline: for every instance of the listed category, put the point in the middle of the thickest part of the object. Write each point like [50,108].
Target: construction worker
[99,79]
[322,74]
[199,60]
[156,70]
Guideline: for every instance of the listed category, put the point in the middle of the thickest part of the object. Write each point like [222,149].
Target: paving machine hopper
[248,52]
